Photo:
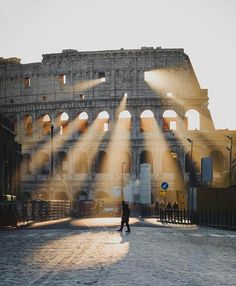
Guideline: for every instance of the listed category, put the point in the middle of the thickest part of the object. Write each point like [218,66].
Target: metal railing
[215,218]
[48,210]
[23,212]
[226,219]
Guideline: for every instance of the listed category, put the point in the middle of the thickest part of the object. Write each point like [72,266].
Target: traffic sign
[165,185]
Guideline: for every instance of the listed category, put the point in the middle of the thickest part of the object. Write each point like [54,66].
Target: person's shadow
[124,237]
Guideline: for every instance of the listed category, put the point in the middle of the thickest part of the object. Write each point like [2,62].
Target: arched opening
[124,120]
[83,123]
[64,123]
[61,196]
[124,157]
[81,163]
[171,164]
[62,163]
[147,121]
[217,161]
[46,124]
[43,163]
[28,125]
[146,157]
[101,163]
[169,120]
[103,121]
[26,164]
[192,166]
[195,161]
[192,120]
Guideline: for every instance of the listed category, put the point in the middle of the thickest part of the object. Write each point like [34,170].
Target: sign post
[163,192]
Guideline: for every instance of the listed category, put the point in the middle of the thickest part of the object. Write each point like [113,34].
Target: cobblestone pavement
[91,252]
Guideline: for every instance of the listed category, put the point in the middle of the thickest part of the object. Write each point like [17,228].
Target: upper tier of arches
[168,120]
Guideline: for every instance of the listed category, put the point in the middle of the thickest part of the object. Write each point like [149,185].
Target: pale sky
[206,29]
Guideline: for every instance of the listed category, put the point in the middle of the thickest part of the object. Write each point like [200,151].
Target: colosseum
[93,124]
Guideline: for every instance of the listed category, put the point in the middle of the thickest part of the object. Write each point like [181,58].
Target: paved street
[91,252]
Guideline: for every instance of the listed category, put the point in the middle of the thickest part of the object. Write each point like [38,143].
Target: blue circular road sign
[165,185]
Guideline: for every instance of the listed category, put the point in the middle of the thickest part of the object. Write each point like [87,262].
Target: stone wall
[71,82]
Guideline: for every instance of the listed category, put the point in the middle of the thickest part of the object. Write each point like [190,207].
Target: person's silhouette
[125,217]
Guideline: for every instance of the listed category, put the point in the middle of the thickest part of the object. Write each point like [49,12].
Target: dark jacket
[125,212]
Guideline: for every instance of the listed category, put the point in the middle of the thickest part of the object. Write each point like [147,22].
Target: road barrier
[15,213]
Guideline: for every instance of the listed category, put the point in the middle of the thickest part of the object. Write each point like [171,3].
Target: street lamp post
[122,180]
[190,175]
[230,158]
[51,167]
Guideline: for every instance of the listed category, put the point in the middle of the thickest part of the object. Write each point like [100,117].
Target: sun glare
[147,114]
[83,116]
[125,114]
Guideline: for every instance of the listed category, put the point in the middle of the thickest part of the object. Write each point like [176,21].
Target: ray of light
[118,151]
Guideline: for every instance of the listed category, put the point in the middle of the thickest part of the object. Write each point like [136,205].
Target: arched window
[101,164]
[124,157]
[103,121]
[64,122]
[147,121]
[83,122]
[217,160]
[192,120]
[62,163]
[146,157]
[26,164]
[46,124]
[43,163]
[28,123]
[169,120]
[124,120]
[196,162]
[81,163]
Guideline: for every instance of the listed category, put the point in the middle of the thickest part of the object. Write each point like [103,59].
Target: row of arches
[147,123]
[170,162]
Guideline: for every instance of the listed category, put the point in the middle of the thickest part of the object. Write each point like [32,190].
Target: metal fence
[213,218]
[24,212]
[48,210]
[208,218]
[180,216]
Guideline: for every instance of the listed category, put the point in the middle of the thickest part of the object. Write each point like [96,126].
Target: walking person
[176,211]
[125,217]
[157,208]
[169,211]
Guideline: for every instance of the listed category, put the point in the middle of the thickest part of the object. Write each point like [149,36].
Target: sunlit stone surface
[101,256]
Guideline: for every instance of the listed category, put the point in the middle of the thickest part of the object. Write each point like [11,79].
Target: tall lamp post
[190,175]
[230,148]
[51,167]
[122,180]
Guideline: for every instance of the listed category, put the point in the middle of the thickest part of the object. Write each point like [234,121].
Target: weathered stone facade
[10,159]
[71,82]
